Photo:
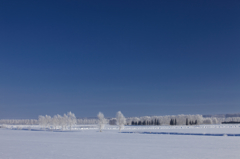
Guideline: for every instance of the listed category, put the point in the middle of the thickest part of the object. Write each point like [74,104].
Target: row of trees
[120,120]
[191,122]
[19,121]
[47,121]
[67,120]
[172,120]
[145,122]
[88,121]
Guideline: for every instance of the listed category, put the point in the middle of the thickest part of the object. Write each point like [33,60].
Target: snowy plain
[86,142]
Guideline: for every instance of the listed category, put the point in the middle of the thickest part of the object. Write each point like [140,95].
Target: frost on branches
[121,120]
[57,121]
[101,121]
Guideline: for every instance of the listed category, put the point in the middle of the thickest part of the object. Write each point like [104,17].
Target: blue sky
[139,57]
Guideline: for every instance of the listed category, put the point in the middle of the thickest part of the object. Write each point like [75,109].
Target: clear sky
[141,57]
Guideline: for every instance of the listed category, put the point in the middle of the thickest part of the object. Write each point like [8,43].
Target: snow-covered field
[86,142]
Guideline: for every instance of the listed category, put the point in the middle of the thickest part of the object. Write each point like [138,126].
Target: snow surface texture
[88,143]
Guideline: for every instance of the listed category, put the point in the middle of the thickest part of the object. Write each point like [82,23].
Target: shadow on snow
[175,133]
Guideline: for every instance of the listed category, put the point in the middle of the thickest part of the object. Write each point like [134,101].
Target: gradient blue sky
[141,57]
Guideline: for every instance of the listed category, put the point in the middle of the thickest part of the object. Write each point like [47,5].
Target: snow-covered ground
[86,142]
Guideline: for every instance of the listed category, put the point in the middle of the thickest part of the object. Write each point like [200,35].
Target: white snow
[86,142]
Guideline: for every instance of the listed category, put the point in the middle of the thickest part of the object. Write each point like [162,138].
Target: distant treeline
[36,122]
[231,122]
[145,120]
[170,120]
[158,122]
[177,120]
[223,115]
[19,121]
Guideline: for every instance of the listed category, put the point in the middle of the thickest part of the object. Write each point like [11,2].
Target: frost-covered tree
[41,121]
[101,121]
[121,120]
[207,121]
[48,120]
[72,120]
[55,121]
[60,121]
[214,121]
[65,121]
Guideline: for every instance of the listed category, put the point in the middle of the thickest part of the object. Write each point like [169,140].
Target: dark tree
[175,122]
[144,122]
[171,122]
[158,123]
[187,121]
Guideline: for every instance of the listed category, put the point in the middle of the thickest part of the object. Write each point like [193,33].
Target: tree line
[145,120]
[57,121]
[173,120]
